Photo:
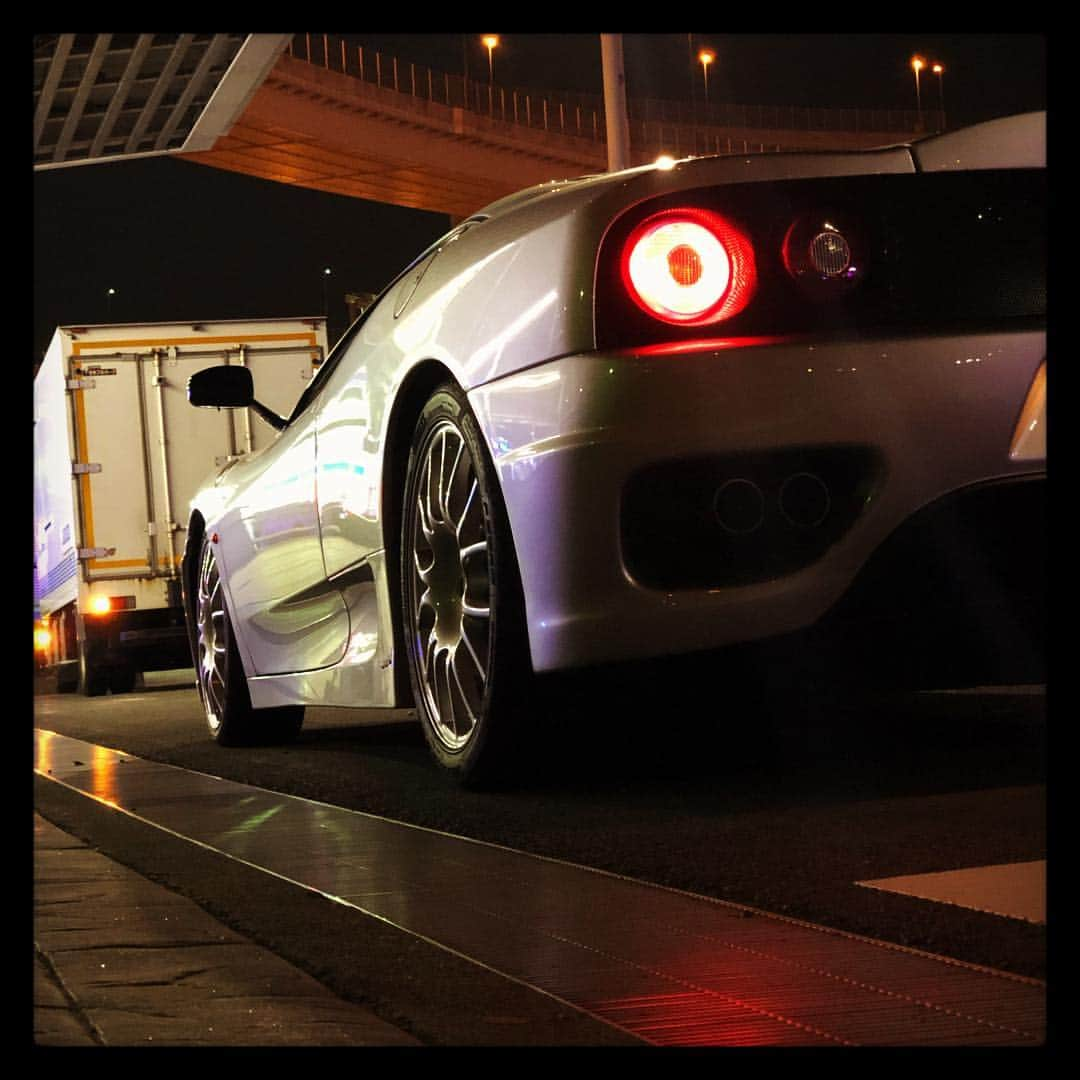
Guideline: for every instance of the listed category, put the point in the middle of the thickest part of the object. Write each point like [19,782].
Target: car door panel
[288,616]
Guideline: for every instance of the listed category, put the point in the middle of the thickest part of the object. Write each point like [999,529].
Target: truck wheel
[93,679]
[122,680]
[222,687]
[67,677]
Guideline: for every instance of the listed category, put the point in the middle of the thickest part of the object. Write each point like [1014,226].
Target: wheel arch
[415,390]
[413,394]
[188,569]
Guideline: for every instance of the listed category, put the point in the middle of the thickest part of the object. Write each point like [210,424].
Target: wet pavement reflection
[671,968]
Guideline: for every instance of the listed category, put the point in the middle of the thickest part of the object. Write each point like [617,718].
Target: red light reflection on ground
[704,1018]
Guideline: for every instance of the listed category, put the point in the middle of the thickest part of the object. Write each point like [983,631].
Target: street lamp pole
[326,272]
[465,68]
[917,64]
[706,56]
[939,71]
[690,68]
[490,41]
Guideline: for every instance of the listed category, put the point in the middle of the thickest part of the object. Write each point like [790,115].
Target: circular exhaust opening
[739,505]
[804,500]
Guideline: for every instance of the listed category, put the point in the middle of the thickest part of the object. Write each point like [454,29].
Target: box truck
[118,453]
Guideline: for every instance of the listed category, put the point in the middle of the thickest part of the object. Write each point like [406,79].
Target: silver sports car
[635,415]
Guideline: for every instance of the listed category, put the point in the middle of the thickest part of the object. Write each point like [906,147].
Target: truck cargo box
[118,453]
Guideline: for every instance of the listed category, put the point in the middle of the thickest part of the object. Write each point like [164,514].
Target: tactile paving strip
[669,967]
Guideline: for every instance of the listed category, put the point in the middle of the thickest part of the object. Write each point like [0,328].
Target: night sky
[178,240]
[986,75]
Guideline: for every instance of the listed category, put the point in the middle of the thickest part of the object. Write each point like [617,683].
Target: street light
[110,293]
[917,64]
[490,41]
[939,71]
[706,56]
[326,272]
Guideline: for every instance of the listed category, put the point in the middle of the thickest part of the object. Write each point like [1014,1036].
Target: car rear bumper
[666,501]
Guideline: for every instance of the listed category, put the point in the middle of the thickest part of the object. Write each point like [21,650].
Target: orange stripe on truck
[79,347]
[115,564]
[84,478]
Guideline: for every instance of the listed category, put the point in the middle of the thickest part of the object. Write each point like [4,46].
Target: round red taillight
[689,267]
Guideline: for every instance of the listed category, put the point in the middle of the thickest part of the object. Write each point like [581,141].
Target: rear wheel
[461,596]
[122,679]
[93,678]
[222,687]
[67,677]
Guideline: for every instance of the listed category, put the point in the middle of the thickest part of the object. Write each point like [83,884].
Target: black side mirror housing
[226,387]
[229,387]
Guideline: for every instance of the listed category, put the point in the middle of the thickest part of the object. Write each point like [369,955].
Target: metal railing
[582,115]
[569,114]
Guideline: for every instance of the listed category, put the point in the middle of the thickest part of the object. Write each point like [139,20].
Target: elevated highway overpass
[322,113]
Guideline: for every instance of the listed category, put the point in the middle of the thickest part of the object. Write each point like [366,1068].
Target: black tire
[93,679]
[462,602]
[219,672]
[122,680]
[67,677]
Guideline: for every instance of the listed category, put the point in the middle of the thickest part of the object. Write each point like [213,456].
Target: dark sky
[986,75]
[177,240]
[184,241]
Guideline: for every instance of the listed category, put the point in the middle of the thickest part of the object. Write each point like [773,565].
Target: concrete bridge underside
[321,129]
[387,131]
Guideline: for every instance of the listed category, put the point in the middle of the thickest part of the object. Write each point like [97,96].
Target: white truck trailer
[118,453]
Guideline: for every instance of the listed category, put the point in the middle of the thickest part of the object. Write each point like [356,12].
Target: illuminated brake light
[100,605]
[689,267]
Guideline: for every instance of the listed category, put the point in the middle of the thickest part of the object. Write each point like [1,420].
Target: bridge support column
[618,126]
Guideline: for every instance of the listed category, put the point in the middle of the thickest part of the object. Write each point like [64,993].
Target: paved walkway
[120,961]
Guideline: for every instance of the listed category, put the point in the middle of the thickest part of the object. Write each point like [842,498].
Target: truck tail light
[689,267]
[102,605]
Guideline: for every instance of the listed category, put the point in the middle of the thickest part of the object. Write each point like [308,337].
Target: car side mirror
[225,387]
[229,386]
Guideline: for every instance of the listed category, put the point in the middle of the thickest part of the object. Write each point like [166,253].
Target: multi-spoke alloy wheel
[213,641]
[451,586]
[458,580]
[222,686]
